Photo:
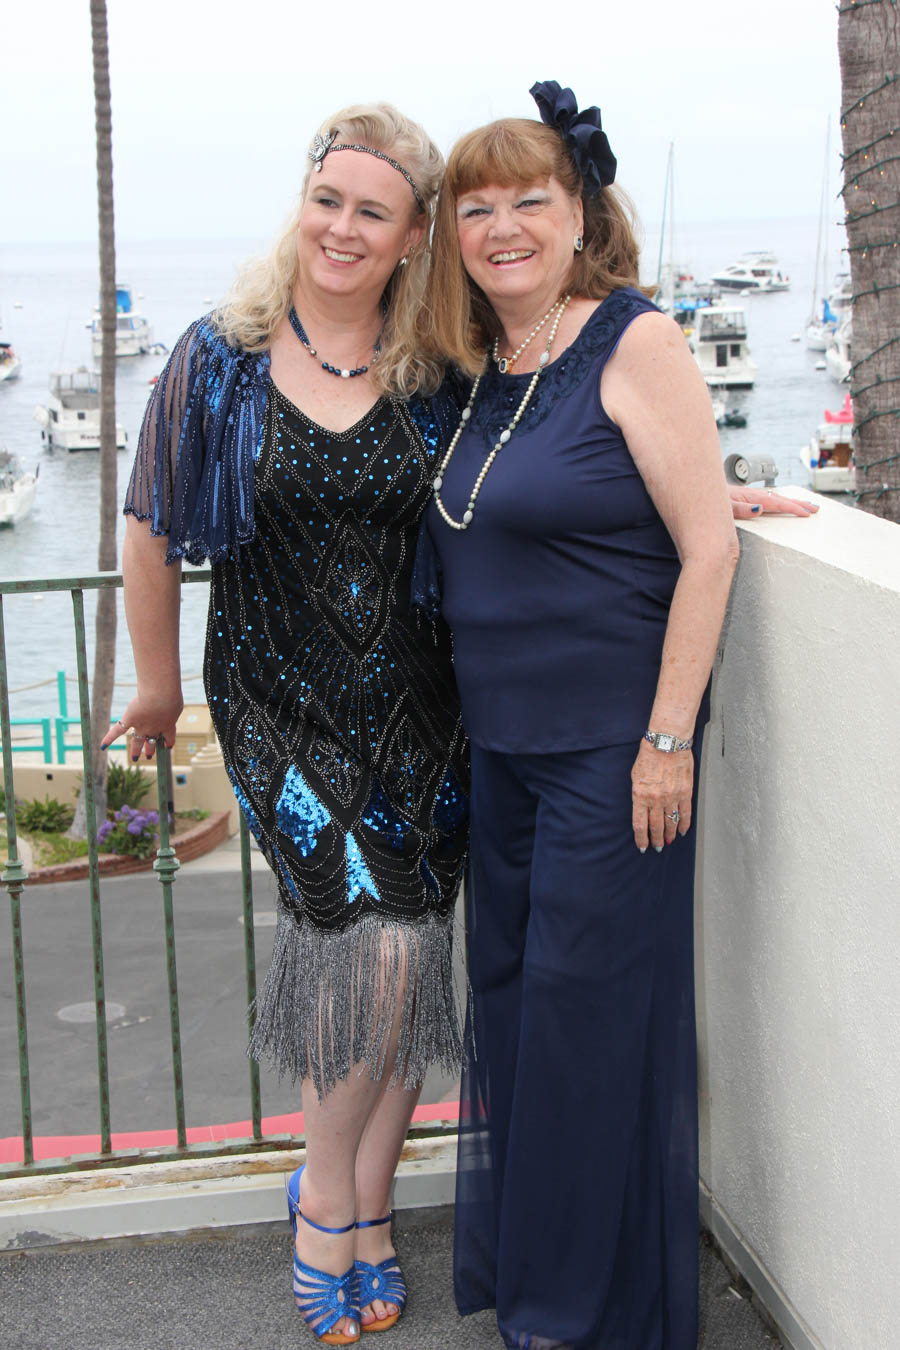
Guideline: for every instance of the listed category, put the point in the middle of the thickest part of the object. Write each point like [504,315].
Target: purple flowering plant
[130,830]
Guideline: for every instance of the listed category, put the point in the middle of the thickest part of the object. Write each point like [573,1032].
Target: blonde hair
[261,294]
[457,320]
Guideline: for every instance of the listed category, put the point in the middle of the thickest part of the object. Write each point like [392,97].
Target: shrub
[130,831]
[125,786]
[46,817]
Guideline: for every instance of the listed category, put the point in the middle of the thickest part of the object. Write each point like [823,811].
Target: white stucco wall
[798,928]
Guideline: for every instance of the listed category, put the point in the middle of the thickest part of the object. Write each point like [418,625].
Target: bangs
[504,154]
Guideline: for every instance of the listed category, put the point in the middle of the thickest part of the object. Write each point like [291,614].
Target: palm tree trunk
[105,630]
[869,47]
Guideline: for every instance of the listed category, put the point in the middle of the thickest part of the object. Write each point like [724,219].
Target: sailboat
[820,326]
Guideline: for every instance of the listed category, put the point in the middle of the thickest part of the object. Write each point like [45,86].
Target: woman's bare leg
[376,1163]
[334,1129]
[354,1137]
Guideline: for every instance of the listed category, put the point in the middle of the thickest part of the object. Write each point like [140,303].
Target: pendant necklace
[438,483]
[294,320]
[506,363]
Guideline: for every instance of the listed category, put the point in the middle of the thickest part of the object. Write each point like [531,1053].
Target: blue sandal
[384,1281]
[322,1299]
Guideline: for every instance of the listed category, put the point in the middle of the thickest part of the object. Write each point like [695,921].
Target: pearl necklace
[294,320]
[506,363]
[438,483]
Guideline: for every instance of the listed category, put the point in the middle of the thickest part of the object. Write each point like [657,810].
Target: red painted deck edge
[67,1146]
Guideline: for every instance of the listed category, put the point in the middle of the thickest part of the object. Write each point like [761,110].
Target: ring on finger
[674,816]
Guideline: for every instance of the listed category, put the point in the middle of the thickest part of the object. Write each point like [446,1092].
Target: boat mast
[666,215]
[821,241]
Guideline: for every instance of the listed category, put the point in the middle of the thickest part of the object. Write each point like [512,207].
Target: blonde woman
[288,443]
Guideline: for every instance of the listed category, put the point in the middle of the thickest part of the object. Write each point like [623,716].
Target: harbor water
[47,295]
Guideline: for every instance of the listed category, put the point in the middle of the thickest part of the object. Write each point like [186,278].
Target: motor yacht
[133,334]
[829,454]
[753,272]
[71,419]
[10,365]
[719,344]
[17,489]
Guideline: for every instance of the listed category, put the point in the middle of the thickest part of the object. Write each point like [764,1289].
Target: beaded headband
[322,145]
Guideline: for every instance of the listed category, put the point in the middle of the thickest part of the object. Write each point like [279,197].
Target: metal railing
[166,865]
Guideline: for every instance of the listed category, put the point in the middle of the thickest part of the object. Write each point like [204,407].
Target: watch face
[665,742]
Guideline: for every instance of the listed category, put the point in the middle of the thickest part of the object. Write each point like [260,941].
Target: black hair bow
[581,132]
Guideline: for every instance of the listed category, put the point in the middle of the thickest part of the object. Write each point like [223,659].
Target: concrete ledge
[183,1196]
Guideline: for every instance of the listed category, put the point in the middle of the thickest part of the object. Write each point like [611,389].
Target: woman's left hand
[749,503]
[661,786]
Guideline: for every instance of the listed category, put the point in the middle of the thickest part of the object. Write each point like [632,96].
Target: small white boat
[71,419]
[10,365]
[829,454]
[838,359]
[718,404]
[753,272]
[719,344]
[133,333]
[819,331]
[17,489]
[835,307]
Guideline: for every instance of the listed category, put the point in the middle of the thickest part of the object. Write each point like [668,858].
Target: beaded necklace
[505,363]
[504,435]
[294,320]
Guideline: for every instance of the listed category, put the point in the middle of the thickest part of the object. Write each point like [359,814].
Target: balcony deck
[231,1290]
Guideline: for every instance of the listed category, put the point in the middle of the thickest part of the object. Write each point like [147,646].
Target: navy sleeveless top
[558,593]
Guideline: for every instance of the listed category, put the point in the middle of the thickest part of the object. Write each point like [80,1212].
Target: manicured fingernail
[756,509]
[643,850]
[658,848]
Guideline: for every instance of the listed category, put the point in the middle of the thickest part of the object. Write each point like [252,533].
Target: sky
[216,101]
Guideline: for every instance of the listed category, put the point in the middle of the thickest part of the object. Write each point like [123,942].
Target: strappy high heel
[383,1281]
[322,1299]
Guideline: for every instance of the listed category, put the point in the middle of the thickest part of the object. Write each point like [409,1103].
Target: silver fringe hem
[335,1001]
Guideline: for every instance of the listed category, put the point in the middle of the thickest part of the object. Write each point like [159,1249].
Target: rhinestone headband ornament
[581,131]
[323,144]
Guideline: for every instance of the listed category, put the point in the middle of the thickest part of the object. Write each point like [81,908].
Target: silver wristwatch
[665,741]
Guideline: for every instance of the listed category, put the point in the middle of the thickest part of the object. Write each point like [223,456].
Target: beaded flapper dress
[338,719]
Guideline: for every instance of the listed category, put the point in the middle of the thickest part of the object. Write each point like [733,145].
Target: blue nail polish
[756,509]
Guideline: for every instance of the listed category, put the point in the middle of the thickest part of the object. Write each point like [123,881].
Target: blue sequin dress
[338,718]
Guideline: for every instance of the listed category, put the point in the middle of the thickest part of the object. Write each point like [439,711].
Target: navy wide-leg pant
[576,1207]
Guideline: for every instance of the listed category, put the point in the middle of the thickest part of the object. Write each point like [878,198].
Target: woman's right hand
[151,717]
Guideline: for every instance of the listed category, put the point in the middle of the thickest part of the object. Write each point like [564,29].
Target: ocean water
[47,294]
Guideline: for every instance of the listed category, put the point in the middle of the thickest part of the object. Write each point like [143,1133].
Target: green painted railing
[15,878]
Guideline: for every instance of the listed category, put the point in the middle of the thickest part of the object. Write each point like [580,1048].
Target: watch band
[665,741]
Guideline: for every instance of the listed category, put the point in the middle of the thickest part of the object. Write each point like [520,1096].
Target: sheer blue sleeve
[151,490]
[201,436]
